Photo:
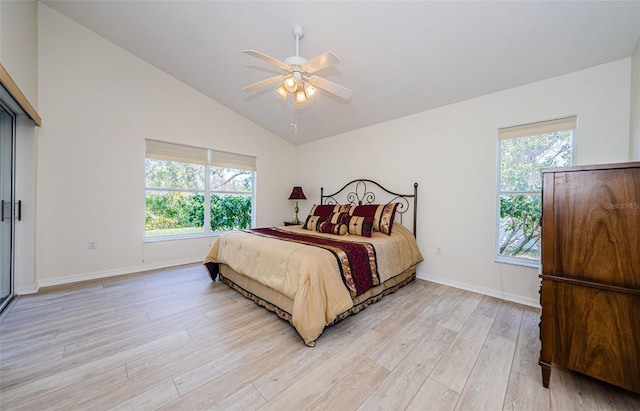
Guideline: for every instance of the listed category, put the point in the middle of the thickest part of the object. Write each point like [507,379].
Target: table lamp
[297,194]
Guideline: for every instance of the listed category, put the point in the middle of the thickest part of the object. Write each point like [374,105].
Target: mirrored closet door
[6,207]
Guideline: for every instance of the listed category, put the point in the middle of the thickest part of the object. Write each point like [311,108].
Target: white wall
[18,45]
[99,103]
[634,140]
[19,56]
[451,153]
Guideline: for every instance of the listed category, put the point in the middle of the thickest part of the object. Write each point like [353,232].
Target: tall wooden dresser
[590,292]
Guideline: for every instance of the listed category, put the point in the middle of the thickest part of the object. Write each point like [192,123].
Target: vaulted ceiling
[398,57]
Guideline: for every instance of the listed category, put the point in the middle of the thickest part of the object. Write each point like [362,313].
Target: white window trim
[517,132]
[161,150]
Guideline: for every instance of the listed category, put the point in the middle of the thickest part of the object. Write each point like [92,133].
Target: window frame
[528,130]
[215,160]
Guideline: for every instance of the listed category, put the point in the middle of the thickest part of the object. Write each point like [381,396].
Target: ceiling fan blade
[331,87]
[324,60]
[268,59]
[263,83]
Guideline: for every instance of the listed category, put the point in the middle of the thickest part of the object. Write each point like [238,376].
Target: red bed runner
[357,261]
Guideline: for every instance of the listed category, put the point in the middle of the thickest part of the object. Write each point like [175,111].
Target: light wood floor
[172,339]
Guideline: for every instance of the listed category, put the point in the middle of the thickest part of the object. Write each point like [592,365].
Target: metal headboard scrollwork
[357,192]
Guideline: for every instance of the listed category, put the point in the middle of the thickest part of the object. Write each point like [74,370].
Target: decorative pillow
[339,218]
[325,210]
[331,228]
[381,214]
[312,223]
[360,226]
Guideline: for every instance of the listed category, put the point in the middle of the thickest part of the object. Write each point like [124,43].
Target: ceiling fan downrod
[298,33]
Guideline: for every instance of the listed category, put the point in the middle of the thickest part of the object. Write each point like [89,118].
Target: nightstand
[291,223]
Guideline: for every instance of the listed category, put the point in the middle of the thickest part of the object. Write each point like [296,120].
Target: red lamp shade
[297,194]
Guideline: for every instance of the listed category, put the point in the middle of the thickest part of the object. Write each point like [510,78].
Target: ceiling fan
[298,78]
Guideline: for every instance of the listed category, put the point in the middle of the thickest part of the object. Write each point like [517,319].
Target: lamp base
[296,209]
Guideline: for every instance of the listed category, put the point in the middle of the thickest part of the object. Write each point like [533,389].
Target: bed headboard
[363,191]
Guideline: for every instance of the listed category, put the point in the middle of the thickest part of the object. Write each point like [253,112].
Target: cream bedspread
[310,275]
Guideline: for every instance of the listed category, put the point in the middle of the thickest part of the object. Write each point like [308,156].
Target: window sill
[181,237]
[518,261]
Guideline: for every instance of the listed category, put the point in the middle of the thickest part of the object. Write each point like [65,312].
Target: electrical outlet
[438,251]
[93,244]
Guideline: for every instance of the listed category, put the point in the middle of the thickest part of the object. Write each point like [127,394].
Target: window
[522,152]
[195,191]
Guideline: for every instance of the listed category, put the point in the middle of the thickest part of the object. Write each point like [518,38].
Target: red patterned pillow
[331,228]
[325,210]
[381,214]
[360,226]
[339,218]
[313,222]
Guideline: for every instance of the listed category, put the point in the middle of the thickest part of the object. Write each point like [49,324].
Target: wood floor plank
[208,371]
[525,394]
[53,321]
[391,324]
[457,317]
[152,399]
[206,347]
[66,397]
[246,399]
[607,397]
[487,384]
[184,364]
[319,380]
[109,344]
[402,384]
[570,392]
[88,369]
[437,289]
[457,363]
[489,306]
[434,396]
[350,391]
[393,351]
[220,390]
[45,346]
[507,322]
[131,339]
[527,353]
[338,336]
[415,325]
[291,370]
[146,380]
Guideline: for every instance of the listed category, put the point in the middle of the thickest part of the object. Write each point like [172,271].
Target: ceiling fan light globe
[282,92]
[290,84]
[309,90]
[300,97]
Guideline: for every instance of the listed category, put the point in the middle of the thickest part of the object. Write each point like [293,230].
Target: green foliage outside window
[182,213]
[519,225]
[230,212]
[520,189]
[175,198]
[171,210]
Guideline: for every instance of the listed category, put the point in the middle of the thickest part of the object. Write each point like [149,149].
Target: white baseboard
[480,290]
[32,289]
[112,273]
[147,267]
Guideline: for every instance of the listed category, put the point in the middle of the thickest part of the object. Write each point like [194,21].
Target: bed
[352,250]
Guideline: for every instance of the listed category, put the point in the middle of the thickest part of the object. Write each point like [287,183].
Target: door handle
[18,211]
